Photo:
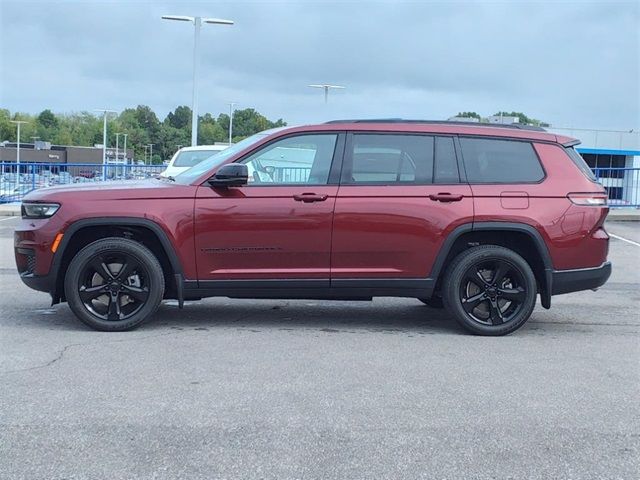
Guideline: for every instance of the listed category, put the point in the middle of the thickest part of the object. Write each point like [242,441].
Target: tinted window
[500,161]
[190,158]
[303,159]
[386,159]
[580,163]
[446,170]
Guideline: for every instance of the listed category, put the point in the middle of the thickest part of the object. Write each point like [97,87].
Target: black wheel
[434,302]
[114,284]
[490,290]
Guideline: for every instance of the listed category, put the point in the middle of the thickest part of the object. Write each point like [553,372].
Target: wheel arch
[82,232]
[524,239]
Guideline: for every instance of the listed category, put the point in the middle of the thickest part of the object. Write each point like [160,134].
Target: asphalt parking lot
[304,389]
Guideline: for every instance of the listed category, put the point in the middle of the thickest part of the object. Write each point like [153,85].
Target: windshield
[218,159]
[191,158]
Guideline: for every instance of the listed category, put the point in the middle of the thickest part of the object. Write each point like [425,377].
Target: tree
[469,115]
[180,118]
[523,118]
[47,119]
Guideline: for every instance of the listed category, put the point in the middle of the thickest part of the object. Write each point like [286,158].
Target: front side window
[489,160]
[303,159]
[389,159]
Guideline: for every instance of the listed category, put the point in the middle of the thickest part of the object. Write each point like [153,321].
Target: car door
[400,196]
[278,226]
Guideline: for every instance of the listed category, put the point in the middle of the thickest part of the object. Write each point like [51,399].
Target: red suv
[476,218]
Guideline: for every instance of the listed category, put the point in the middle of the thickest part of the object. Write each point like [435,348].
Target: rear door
[400,196]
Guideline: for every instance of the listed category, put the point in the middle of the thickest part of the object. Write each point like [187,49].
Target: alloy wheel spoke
[89,293]
[513,294]
[476,278]
[140,294]
[126,270]
[113,313]
[472,302]
[500,273]
[495,314]
[101,268]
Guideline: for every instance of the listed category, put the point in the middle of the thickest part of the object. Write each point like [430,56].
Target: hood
[116,190]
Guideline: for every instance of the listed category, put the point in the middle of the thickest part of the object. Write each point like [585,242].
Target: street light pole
[105,112]
[18,123]
[231,105]
[326,87]
[151,153]
[125,147]
[197,23]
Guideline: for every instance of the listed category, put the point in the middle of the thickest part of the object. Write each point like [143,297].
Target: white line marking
[8,218]
[625,240]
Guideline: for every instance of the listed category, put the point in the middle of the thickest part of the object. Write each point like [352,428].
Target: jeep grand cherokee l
[479,219]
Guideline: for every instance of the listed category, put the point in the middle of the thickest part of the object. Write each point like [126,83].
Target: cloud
[567,63]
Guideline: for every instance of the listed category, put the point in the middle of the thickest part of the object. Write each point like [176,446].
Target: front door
[400,196]
[278,226]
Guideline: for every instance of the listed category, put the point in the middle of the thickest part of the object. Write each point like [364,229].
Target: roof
[203,147]
[439,127]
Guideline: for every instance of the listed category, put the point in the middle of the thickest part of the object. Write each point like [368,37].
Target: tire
[114,284]
[482,303]
[433,302]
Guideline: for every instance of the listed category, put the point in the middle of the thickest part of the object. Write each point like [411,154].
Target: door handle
[446,197]
[310,197]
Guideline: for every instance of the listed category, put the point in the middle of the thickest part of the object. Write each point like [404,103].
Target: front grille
[26,261]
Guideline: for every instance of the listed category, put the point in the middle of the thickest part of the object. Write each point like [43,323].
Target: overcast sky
[569,63]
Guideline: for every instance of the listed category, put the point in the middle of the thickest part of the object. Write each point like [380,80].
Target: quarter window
[500,161]
[390,159]
[303,159]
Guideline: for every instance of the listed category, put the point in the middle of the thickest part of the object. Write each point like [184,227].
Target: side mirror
[230,175]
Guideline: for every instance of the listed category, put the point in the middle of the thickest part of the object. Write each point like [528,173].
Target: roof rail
[516,126]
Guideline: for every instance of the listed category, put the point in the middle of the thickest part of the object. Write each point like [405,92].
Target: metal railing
[622,184]
[14,185]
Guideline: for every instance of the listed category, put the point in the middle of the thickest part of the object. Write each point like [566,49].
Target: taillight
[589,199]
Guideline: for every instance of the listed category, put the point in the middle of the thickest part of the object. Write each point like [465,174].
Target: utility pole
[231,105]
[18,123]
[197,23]
[105,112]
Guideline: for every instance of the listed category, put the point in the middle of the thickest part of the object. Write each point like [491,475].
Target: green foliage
[469,115]
[141,125]
[524,119]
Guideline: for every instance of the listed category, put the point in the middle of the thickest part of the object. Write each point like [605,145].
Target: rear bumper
[567,281]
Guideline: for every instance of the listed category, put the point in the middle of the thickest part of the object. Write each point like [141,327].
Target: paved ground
[277,389]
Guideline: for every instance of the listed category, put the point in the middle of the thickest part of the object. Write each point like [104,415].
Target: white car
[187,157]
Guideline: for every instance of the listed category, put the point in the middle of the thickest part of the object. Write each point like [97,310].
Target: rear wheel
[114,284]
[490,290]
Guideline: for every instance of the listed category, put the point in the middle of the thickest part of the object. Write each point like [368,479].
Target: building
[44,152]
[614,157]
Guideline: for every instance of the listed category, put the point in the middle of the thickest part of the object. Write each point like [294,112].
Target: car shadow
[407,316]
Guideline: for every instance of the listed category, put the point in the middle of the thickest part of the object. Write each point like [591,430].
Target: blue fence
[14,185]
[622,184]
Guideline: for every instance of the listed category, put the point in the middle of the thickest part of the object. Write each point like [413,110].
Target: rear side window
[390,159]
[580,163]
[500,161]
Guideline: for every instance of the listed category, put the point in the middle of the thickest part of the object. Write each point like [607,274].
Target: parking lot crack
[61,353]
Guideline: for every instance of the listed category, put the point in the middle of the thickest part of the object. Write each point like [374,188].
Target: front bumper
[42,283]
[567,281]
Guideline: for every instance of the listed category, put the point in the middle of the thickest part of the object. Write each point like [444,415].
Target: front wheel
[490,290]
[114,284]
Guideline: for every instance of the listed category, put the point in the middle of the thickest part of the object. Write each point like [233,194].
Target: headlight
[39,210]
